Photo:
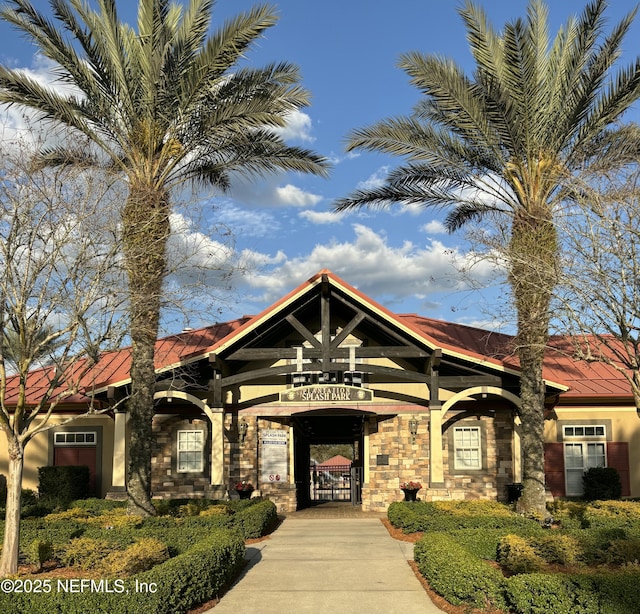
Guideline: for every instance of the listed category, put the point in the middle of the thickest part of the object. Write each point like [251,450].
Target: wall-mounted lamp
[242,430]
[413,429]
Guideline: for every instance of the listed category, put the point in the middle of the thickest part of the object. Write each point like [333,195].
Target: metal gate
[330,483]
[336,483]
[357,475]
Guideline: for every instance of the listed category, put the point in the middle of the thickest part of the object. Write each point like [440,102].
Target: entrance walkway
[326,565]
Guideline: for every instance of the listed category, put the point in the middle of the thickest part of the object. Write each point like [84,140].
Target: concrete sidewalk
[347,565]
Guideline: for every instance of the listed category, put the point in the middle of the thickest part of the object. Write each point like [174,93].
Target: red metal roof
[335,461]
[494,350]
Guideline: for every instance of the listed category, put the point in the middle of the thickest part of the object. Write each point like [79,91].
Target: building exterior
[418,399]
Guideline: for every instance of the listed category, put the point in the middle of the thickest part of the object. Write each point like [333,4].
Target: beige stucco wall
[623,424]
[39,451]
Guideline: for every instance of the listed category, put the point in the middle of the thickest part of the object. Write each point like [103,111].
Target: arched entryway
[316,482]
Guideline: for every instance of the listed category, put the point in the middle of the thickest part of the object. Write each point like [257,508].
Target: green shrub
[452,515]
[63,483]
[557,548]
[217,510]
[623,551]
[612,515]
[619,592]
[73,513]
[136,558]
[544,593]
[86,552]
[183,507]
[457,575]
[39,551]
[516,555]
[602,484]
[483,543]
[180,584]
[3,490]
[98,506]
[255,520]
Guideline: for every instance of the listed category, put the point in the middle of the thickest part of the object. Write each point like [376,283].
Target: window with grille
[584,447]
[75,438]
[190,451]
[467,447]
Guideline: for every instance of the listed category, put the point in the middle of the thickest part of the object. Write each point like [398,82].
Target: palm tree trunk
[533,256]
[146,230]
[11,541]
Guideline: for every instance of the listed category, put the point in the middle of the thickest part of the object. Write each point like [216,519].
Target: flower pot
[409,495]
[244,494]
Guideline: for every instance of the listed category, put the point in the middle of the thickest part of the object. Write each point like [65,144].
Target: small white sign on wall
[274,455]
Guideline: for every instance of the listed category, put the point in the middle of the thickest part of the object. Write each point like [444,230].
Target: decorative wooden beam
[347,330]
[325,322]
[303,330]
[460,382]
[434,360]
[370,351]
[277,370]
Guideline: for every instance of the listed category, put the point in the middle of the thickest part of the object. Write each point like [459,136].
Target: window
[75,438]
[468,453]
[584,447]
[190,451]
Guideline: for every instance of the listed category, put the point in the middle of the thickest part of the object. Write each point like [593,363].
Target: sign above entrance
[324,393]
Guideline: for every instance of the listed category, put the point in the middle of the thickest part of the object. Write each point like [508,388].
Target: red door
[64,456]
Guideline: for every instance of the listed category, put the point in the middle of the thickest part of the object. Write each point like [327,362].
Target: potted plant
[410,490]
[244,489]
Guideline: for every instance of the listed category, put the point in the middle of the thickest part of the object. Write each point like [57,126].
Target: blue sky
[282,227]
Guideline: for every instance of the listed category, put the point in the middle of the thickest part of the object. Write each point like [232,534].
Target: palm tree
[508,146]
[162,105]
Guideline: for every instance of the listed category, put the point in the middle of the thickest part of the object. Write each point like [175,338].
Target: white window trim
[461,467]
[584,440]
[200,451]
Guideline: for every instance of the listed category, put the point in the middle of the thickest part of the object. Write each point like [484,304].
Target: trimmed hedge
[173,587]
[453,515]
[602,484]
[457,575]
[462,578]
[63,483]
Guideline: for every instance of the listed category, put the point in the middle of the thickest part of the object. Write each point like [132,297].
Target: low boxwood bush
[452,515]
[518,556]
[558,548]
[457,575]
[39,551]
[63,483]
[136,558]
[174,587]
[98,506]
[537,593]
[255,520]
[612,515]
[602,484]
[86,553]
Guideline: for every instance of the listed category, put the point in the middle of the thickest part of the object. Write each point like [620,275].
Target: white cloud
[375,180]
[321,217]
[385,272]
[434,227]
[246,222]
[268,193]
[335,158]
[291,195]
[297,128]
